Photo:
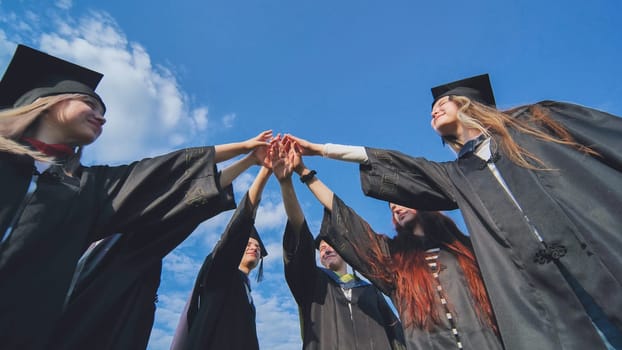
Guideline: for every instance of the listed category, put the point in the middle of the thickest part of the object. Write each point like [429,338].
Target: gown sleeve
[591,128]
[161,193]
[358,244]
[412,182]
[223,262]
[299,262]
[229,250]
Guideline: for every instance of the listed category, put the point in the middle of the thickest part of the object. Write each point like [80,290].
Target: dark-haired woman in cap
[540,189]
[51,207]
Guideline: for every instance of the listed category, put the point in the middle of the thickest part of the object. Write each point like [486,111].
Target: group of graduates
[539,187]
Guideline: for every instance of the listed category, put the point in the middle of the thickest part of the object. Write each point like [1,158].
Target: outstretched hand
[258,141]
[285,157]
[278,158]
[259,147]
[305,147]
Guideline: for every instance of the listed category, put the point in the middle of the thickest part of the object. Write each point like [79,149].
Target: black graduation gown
[113,303]
[576,205]
[324,310]
[219,313]
[348,234]
[66,213]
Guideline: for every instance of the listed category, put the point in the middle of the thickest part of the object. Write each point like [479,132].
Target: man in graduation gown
[534,300]
[547,240]
[337,310]
[460,325]
[220,313]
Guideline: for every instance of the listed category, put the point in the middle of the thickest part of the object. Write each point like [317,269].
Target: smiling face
[330,259]
[407,219]
[252,254]
[74,122]
[445,117]
[402,215]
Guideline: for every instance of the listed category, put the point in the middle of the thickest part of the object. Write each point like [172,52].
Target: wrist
[287,180]
[307,175]
[318,148]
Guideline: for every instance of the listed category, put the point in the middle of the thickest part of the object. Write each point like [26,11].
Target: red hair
[408,271]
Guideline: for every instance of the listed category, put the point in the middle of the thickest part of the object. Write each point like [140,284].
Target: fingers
[264,136]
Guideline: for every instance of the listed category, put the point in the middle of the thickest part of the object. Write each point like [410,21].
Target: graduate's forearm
[229,150]
[323,194]
[291,204]
[228,174]
[256,189]
[354,154]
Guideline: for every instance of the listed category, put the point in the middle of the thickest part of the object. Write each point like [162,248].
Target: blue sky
[188,73]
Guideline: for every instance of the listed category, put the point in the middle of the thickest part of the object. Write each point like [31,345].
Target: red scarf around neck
[56,150]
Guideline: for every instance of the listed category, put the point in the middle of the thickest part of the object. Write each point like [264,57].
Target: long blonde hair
[15,122]
[489,120]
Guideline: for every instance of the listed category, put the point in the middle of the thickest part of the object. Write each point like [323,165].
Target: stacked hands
[282,154]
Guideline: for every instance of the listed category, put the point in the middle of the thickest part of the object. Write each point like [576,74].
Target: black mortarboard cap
[32,74]
[319,240]
[264,253]
[255,235]
[476,88]
[323,235]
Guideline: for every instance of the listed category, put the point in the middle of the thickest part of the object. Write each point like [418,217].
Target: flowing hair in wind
[415,291]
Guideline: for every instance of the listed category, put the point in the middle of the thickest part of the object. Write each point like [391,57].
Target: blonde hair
[489,120]
[15,122]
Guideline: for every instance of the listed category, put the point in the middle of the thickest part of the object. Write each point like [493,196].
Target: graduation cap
[32,74]
[476,88]
[254,234]
[322,236]
[319,240]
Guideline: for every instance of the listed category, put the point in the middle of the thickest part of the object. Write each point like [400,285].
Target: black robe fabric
[149,198]
[326,322]
[113,303]
[352,237]
[577,205]
[219,313]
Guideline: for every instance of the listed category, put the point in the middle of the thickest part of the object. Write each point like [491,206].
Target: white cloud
[64,4]
[228,120]
[200,118]
[183,267]
[168,312]
[278,326]
[270,215]
[160,339]
[170,307]
[148,113]
[242,183]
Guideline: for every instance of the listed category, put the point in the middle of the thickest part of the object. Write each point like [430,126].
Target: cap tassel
[260,271]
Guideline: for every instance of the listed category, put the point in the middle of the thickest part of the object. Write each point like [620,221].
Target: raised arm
[228,251]
[317,187]
[282,164]
[351,237]
[258,156]
[230,150]
[354,154]
[298,245]
[256,189]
